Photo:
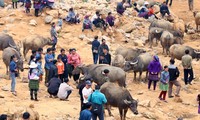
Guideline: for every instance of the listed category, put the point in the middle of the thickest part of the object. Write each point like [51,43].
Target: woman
[27,6]
[13,73]
[164,80]
[71,17]
[75,60]
[33,80]
[87,24]
[63,56]
[154,69]
[37,5]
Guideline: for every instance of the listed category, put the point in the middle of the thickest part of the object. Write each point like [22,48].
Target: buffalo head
[132,105]
[20,63]
[129,65]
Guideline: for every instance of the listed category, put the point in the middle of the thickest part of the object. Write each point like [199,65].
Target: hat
[146,3]
[88,82]
[33,65]
[105,71]
[156,58]
[26,115]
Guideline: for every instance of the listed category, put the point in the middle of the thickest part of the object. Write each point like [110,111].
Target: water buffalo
[140,64]
[166,25]
[177,51]
[94,72]
[34,42]
[7,53]
[7,41]
[129,53]
[197,19]
[156,33]
[119,97]
[118,61]
[167,39]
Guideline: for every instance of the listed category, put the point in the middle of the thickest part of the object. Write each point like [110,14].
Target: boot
[36,96]
[31,93]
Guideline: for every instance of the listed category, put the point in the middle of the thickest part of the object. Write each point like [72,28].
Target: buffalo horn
[133,63]
[127,102]
[12,46]
[197,52]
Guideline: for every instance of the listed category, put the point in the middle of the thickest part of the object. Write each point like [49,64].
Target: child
[164,79]
[61,68]
[40,71]
[198,99]
[27,6]
[60,21]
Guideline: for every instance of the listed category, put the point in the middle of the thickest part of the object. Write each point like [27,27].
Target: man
[39,53]
[3,117]
[53,86]
[48,63]
[102,46]
[190,4]
[173,75]
[187,66]
[120,7]
[87,90]
[98,99]
[26,116]
[53,71]
[86,114]
[54,52]
[54,34]
[95,16]
[95,47]
[105,58]
[164,9]
[170,3]
[81,86]
[100,23]
[64,58]
[64,90]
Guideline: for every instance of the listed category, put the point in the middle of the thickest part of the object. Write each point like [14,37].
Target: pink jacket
[74,60]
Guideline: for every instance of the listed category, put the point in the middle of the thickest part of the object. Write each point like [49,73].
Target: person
[87,90]
[190,4]
[154,68]
[48,63]
[26,116]
[135,7]
[54,34]
[95,16]
[82,84]
[110,20]
[75,60]
[164,80]
[144,10]
[87,24]
[95,47]
[27,6]
[105,58]
[45,3]
[32,57]
[37,5]
[170,3]
[33,76]
[71,17]
[60,21]
[187,66]
[13,73]
[102,46]
[38,61]
[151,12]
[61,68]
[69,66]
[105,77]
[86,114]
[98,99]
[54,52]
[99,22]
[53,71]
[173,75]
[64,90]
[3,117]
[120,7]
[53,86]
[164,9]
[64,59]
[39,53]
[198,99]
[14,4]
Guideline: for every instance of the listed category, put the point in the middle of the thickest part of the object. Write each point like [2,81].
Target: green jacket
[14,0]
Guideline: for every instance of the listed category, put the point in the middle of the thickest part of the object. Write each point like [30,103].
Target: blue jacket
[85,115]
[97,97]
[12,66]
[48,63]
[95,45]
[164,77]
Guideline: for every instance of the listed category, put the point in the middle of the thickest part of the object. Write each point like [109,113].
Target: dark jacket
[101,48]
[53,72]
[12,66]
[64,58]
[53,86]
[164,9]
[173,72]
[106,59]
[80,91]
[95,45]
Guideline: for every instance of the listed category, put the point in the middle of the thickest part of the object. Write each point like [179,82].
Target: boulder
[2,22]
[53,13]
[149,115]
[1,96]
[5,88]
[139,43]
[48,19]
[82,36]
[33,22]
[129,28]
[178,100]
[145,103]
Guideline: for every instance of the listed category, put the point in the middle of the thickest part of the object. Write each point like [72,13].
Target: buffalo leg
[121,112]
[140,76]
[125,111]
[146,76]
[6,70]
[109,111]
[25,52]
[135,76]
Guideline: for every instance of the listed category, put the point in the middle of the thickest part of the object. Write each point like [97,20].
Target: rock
[191,31]
[145,103]
[149,115]
[9,7]
[185,103]
[53,13]
[48,19]
[82,36]
[32,22]
[2,22]
[139,43]
[12,14]
[129,28]
[140,92]
[178,100]
[5,88]
[1,96]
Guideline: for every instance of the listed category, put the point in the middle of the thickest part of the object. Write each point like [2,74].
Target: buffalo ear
[127,102]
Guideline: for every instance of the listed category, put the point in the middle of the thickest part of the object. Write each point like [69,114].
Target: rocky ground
[131,32]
